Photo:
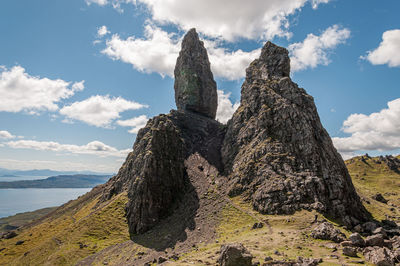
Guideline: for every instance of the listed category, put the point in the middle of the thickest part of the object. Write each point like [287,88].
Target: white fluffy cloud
[92,148]
[20,91]
[314,49]
[98,2]
[225,107]
[377,131]
[228,19]
[225,19]
[136,123]
[99,110]
[229,65]
[388,50]
[315,3]
[6,135]
[158,51]
[101,31]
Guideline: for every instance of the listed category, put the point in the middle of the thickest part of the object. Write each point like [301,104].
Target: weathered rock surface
[326,231]
[195,88]
[154,173]
[357,240]
[379,197]
[379,256]
[9,235]
[375,240]
[234,255]
[276,152]
[350,251]
[300,262]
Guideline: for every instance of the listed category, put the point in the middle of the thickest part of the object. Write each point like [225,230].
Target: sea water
[13,201]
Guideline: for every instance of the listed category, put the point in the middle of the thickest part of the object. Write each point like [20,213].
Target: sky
[78,79]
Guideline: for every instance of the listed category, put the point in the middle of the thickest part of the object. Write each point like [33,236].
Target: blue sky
[79,78]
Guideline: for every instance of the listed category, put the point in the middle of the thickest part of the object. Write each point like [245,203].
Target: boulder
[350,251]
[234,255]
[369,227]
[389,223]
[195,88]
[327,231]
[380,231]
[357,240]
[380,198]
[379,256]
[375,240]
[9,235]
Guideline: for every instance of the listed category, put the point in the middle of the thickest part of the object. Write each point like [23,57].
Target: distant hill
[60,181]
[46,172]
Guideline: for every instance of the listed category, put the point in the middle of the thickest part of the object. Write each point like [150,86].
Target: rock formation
[234,255]
[154,173]
[195,88]
[276,152]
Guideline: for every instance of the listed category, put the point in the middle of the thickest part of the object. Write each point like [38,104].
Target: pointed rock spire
[274,62]
[277,152]
[195,88]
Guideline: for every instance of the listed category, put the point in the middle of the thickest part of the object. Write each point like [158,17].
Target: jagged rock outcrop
[195,88]
[274,149]
[276,152]
[154,173]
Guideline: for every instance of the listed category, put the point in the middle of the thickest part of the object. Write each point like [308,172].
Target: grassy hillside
[74,231]
[88,233]
[372,175]
[21,219]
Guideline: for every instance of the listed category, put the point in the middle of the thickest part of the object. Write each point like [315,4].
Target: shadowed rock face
[276,151]
[195,88]
[154,173]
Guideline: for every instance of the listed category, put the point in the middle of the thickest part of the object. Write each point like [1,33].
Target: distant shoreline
[60,181]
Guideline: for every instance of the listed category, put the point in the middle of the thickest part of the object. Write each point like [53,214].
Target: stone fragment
[357,240]
[234,255]
[9,235]
[347,243]
[380,231]
[374,240]
[389,223]
[350,251]
[195,88]
[327,231]
[369,227]
[379,256]
[380,198]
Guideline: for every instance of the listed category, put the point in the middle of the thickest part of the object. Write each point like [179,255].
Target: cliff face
[274,151]
[195,88]
[154,174]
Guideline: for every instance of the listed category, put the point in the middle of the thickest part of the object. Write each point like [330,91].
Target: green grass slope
[84,228]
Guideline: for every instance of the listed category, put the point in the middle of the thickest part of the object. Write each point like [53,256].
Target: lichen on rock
[195,88]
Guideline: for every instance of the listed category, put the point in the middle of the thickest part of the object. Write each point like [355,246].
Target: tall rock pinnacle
[195,88]
[276,151]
